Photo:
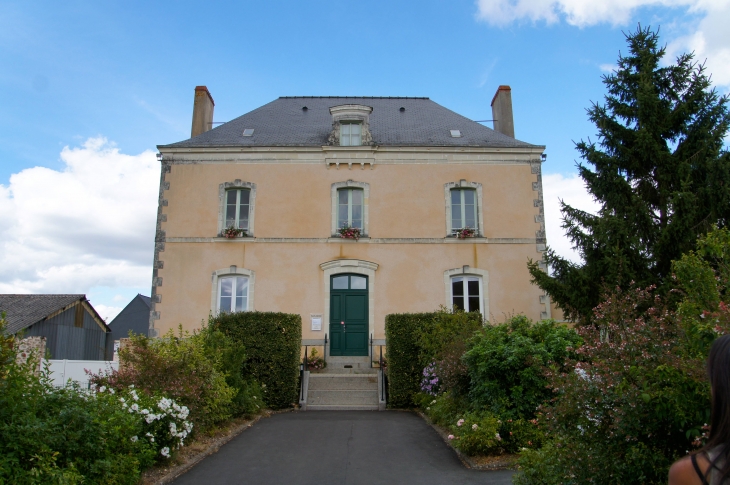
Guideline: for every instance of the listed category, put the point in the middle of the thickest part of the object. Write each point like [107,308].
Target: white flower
[135,407]
[134,439]
[145,411]
[433,402]
[149,418]
[111,391]
[102,389]
[165,452]
[134,395]
[474,426]
[122,400]
[499,438]
[131,386]
[148,434]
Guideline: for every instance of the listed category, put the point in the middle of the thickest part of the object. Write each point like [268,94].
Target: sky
[91,88]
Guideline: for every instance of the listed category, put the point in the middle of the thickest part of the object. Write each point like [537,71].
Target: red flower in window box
[466,232]
[349,232]
[232,232]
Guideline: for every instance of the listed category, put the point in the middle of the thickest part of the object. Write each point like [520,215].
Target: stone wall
[31,347]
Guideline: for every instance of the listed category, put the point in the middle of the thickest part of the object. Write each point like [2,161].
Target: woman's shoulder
[683,472]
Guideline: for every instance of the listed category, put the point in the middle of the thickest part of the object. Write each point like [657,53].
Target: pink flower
[451,437]
[460,422]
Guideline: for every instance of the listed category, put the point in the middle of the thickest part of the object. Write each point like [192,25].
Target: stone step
[340,407]
[342,397]
[346,370]
[343,381]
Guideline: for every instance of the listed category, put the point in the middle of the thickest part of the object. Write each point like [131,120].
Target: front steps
[345,384]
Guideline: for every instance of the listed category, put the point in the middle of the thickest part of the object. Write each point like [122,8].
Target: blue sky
[111,80]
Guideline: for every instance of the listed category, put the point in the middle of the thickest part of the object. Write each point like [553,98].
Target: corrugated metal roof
[284,122]
[22,311]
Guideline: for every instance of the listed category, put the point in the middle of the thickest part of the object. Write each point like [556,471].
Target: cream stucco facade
[408,252]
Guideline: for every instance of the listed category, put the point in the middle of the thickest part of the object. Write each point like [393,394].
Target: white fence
[63,370]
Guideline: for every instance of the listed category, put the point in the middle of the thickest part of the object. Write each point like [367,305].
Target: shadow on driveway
[338,447]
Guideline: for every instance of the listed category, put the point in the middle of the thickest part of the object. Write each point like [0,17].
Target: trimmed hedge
[408,336]
[272,341]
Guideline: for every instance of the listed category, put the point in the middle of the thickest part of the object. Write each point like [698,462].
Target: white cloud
[707,36]
[107,312]
[90,225]
[609,68]
[572,190]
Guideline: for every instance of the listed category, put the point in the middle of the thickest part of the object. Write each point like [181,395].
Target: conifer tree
[659,170]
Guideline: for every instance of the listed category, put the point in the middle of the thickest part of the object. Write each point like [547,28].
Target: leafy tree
[659,171]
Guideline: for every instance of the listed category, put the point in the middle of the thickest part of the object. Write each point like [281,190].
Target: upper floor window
[463,209]
[350,134]
[350,208]
[233,294]
[238,208]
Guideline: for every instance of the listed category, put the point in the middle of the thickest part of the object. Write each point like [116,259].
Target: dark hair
[718,370]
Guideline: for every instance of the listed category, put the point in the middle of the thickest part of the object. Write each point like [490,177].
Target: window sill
[337,238]
[223,238]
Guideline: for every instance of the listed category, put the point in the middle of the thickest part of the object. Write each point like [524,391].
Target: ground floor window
[233,294]
[466,293]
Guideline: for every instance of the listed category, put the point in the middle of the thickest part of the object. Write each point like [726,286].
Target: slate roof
[22,311]
[283,122]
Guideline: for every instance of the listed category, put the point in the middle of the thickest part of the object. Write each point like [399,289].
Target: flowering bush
[349,232]
[164,422]
[315,361]
[477,434]
[232,232]
[631,402]
[178,366]
[430,381]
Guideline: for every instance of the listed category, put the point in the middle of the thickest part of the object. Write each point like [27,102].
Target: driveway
[338,447]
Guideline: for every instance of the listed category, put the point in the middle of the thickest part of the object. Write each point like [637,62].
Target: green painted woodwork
[348,315]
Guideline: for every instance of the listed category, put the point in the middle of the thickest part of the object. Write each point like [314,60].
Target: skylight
[455,134]
[248,132]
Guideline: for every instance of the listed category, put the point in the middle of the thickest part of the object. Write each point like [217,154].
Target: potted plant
[349,232]
[232,232]
[466,232]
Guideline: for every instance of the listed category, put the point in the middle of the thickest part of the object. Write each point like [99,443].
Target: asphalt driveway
[338,447]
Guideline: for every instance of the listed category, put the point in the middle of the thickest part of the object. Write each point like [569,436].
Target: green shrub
[63,436]
[634,402]
[444,409]
[414,341]
[477,433]
[506,365]
[272,342]
[181,367]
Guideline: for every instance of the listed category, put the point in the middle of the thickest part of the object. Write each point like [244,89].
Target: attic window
[248,132]
[455,134]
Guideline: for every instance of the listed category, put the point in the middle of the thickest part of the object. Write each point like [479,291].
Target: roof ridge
[354,97]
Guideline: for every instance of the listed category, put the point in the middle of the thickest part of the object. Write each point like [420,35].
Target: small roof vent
[304,108]
[402,109]
[455,134]
[248,132]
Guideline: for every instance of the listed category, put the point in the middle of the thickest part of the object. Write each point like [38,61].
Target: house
[72,328]
[134,318]
[351,208]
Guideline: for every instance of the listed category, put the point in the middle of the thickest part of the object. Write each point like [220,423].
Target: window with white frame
[238,208]
[466,293]
[233,294]
[350,134]
[350,208]
[463,209]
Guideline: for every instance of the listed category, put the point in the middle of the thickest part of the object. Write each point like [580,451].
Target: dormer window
[350,125]
[350,134]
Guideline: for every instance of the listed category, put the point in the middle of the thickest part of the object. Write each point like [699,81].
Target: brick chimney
[502,111]
[202,111]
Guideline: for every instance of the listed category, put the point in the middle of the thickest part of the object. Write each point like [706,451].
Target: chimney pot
[202,111]
[502,111]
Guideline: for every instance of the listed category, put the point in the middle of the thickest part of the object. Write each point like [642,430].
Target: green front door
[349,315]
